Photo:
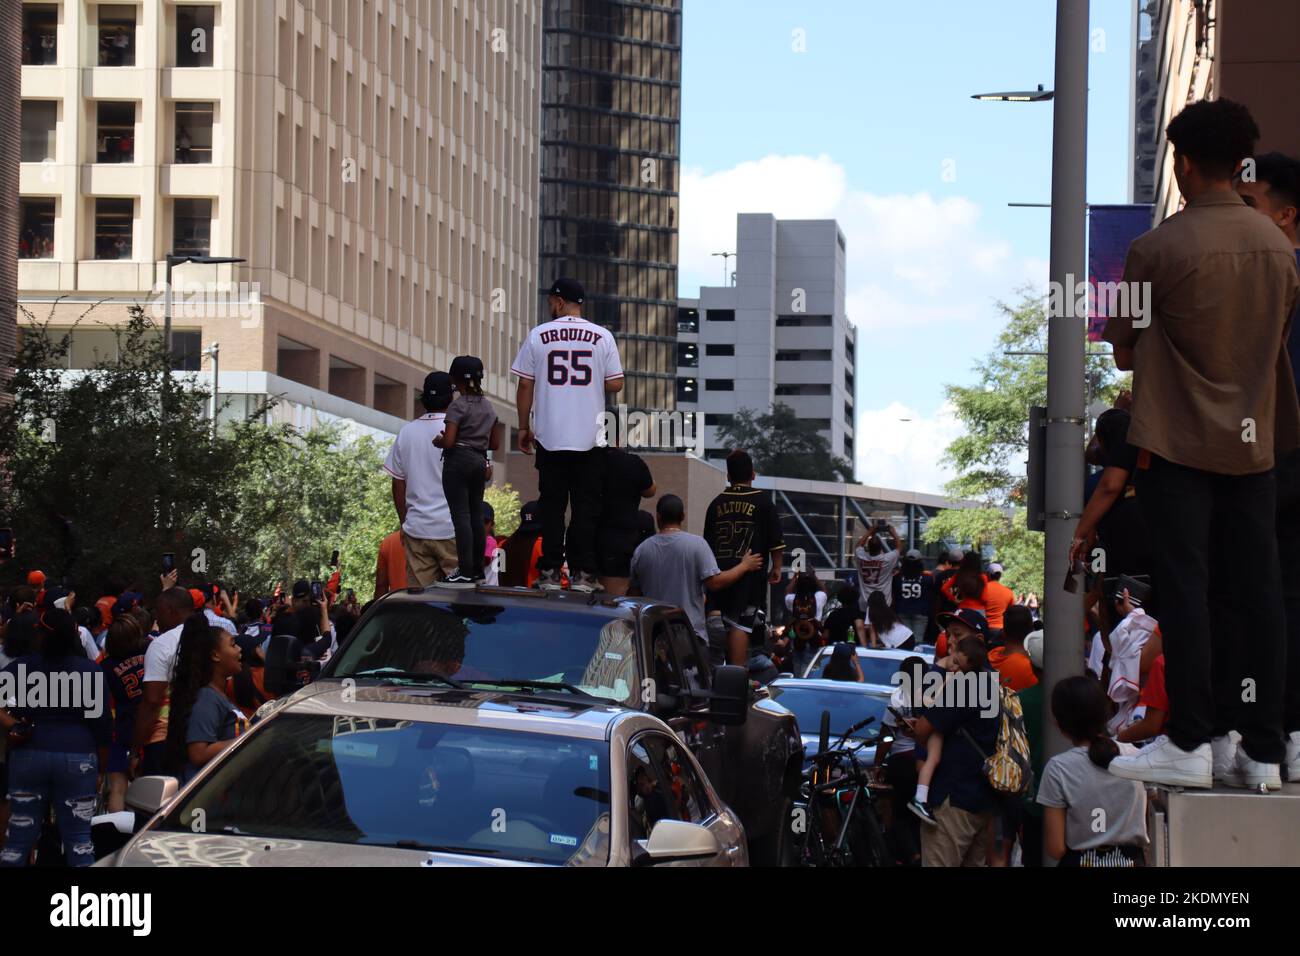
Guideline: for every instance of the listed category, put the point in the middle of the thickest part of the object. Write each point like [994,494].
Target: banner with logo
[1110,231]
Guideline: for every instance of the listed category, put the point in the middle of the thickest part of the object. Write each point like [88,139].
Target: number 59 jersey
[570,360]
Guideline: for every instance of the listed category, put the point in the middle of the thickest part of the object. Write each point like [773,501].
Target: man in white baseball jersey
[566,367]
[428,536]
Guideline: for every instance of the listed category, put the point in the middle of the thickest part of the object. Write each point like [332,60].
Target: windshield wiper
[424,677]
[534,685]
[442,848]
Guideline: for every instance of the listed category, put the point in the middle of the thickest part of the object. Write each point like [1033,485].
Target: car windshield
[846,708]
[410,784]
[589,650]
[875,669]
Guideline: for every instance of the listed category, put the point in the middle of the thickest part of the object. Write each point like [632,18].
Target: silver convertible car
[402,774]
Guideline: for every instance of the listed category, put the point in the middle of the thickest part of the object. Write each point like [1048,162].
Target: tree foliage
[989,456]
[784,445]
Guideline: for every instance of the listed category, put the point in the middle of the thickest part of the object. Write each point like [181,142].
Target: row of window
[194,34]
[91,344]
[688,353]
[115,126]
[114,228]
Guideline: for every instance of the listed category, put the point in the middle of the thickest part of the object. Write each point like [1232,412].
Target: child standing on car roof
[472,431]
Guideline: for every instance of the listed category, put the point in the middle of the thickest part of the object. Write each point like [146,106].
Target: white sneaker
[1167,763]
[1225,759]
[1253,775]
[1291,769]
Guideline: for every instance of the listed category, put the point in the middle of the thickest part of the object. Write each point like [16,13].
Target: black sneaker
[547,580]
[586,582]
[458,580]
[923,811]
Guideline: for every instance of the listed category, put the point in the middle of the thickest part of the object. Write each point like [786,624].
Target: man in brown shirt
[1214,402]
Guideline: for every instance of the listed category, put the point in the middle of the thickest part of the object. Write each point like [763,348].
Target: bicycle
[837,803]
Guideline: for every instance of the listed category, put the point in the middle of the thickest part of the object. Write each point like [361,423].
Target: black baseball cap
[466,367]
[972,618]
[301,588]
[437,385]
[570,290]
[530,515]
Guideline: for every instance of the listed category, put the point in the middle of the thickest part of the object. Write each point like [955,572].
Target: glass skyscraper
[611,107]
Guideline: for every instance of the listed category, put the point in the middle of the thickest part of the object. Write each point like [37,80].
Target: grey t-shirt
[1100,808]
[214,718]
[672,567]
[474,416]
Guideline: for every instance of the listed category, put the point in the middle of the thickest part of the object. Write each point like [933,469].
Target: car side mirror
[729,703]
[674,841]
[151,794]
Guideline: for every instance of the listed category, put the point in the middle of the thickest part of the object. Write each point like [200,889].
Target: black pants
[905,830]
[1288,545]
[463,480]
[571,480]
[1031,839]
[1180,506]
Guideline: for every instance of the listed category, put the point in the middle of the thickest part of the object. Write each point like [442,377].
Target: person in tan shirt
[1214,404]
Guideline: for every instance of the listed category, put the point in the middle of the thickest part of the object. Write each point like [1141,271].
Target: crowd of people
[1202,458]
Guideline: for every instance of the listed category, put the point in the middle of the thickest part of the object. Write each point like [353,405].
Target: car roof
[822,683]
[556,714]
[892,653]
[486,595]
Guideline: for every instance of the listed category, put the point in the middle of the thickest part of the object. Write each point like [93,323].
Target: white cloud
[912,259]
[896,453]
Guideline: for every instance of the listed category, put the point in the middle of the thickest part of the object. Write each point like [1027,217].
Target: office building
[611,103]
[376,164]
[779,334]
[1243,50]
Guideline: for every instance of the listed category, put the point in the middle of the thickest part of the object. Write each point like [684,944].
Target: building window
[721,315]
[195,32]
[719,419]
[688,355]
[719,350]
[192,227]
[821,389]
[687,390]
[848,414]
[719,385]
[116,142]
[848,447]
[194,132]
[802,321]
[36,235]
[40,34]
[848,380]
[187,347]
[114,222]
[688,320]
[40,122]
[803,355]
[116,34]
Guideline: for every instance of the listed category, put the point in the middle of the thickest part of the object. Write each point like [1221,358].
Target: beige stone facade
[374,161]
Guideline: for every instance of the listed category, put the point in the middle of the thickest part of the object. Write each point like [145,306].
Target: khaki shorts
[960,839]
[428,560]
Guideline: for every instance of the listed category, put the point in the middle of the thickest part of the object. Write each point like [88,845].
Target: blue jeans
[37,777]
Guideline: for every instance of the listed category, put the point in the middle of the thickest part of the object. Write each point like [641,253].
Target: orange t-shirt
[1016,670]
[997,598]
[392,561]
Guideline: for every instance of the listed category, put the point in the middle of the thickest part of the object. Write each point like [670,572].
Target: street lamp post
[174,260]
[213,352]
[1063,501]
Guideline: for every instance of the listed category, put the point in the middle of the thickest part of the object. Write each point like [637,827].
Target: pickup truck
[633,652]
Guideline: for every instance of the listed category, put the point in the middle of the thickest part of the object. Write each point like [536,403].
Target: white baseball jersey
[415,460]
[570,359]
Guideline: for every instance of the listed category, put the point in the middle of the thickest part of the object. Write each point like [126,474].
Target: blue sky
[873,125]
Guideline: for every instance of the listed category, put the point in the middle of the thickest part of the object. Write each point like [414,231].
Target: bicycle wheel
[867,840]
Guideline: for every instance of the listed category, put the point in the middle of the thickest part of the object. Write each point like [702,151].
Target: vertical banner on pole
[1111,229]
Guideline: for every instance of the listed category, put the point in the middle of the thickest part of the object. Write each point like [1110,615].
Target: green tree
[784,445]
[109,467]
[505,504]
[989,457]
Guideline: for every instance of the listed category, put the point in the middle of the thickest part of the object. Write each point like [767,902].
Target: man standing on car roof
[566,367]
[739,520]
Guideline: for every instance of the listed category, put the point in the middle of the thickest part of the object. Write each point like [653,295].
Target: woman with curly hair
[202,721]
